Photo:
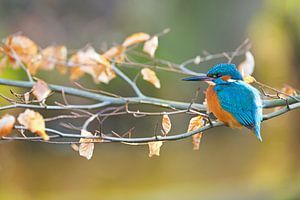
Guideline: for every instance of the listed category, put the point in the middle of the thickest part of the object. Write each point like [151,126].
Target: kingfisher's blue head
[219,72]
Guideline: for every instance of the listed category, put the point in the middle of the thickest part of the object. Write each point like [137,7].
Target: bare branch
[58,134]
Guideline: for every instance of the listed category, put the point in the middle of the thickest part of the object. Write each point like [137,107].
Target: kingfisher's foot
[208,119]
[287,104]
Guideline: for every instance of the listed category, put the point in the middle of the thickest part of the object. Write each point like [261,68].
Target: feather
[243,102]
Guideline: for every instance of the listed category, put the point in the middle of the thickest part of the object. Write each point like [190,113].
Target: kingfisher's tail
[257,132]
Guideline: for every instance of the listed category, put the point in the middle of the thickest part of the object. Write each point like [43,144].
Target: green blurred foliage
[231,164]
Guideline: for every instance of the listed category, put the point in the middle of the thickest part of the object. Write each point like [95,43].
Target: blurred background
[231,164]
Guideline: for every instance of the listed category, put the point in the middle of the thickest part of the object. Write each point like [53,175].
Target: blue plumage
[242,101]
[232,100]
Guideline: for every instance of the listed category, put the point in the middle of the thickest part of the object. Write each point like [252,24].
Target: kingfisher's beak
[198,78]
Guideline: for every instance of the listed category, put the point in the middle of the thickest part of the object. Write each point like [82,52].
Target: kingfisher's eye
[214,75]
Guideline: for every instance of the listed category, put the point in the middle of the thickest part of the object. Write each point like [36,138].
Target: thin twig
[58,134]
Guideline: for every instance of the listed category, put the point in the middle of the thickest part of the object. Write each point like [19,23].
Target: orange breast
[215,107]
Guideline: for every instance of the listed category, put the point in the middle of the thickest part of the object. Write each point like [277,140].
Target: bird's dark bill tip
[197,78]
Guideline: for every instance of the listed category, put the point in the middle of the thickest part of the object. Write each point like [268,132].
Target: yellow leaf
[247,66]
[7,123]
[151,77]
[34,122]
[89,61]
[24,48]
[150,46]
[41,91]
[135,38]
[249,79]
[196,123]
[154,148]
[166,124]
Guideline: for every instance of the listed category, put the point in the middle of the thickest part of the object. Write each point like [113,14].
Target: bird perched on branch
[230,99]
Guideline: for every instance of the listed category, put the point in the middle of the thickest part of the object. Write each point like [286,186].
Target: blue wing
[243,102]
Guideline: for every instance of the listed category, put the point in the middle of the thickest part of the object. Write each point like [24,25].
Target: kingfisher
[230,99]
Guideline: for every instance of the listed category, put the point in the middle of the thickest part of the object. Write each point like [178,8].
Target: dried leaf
[89,61]
[76,73]
[75,147]
[116,53]
[34,122]
[48,58]
[150,46]
[288,90]
[249,79]
[150,76]
[135,39]
[41,90]
[196,139]
[166,124]
[154,148]
[106,75]
[3,63]
[247,66]
[196,123]
[197,60]
[86,147]
[7,123]
[26,97]
[22,46]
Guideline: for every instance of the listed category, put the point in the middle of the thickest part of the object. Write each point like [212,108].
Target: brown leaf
[87,60]
[247,66]
[288,90]
[3,63]
[154,148]
[196,123]
[196,139]
[116,53]
[150,76]
[48,58]
[27,97]
[150,46]
[34,122]
[41,90]
[76,73]
[22,46]
[166,124]
[135,38]
[86,147]
[75,147]
[7,123]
